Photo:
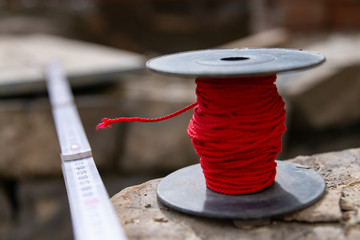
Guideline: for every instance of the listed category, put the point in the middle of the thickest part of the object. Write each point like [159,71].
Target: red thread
[107,122]
[236,130]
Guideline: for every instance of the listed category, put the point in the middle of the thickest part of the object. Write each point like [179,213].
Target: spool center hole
[234,58]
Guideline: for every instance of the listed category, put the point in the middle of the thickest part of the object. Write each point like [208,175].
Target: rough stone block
[43,210]
[23,58]
[6,215]
[29,143]
[354,233]
[326,96]
[158,147]
[163,146]
[28,140]
[331,102]
[144,217]
[327,210]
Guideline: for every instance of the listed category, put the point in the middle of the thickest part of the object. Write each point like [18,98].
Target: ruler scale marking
[93,216]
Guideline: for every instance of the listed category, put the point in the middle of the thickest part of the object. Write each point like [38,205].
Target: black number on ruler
[83,177]
[86,188]
[84,182]
[79,163]
[81,172]
[88,194]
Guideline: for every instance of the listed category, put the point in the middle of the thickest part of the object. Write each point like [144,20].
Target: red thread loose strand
[107,122]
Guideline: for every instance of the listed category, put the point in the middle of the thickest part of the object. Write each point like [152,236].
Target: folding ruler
[93,216]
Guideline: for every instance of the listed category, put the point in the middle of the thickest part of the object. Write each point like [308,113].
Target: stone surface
[6,215]
[326,210]
[43,210]
[29,143]
[162,146]
[264,39]
[23,58]
[326,96]
[144,217]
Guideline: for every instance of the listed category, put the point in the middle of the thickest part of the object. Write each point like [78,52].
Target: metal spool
[295,186]
[234,62]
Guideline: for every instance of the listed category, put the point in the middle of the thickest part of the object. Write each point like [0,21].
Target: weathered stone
[341,173]
[114,182]
[339,169]
[326,96]
[354,233]
[23,58]
[250,224]
[144,217]
[326,210]
[352,217]
[43,211]
[29,143]
[163,146]
[265,39]
[6,216]
[349,201]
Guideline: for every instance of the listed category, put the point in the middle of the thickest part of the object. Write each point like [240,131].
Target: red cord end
[106,122]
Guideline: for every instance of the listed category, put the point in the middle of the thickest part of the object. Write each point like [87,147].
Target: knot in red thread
[236,130]
[105,123]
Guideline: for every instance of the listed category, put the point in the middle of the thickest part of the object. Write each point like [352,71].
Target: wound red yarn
[236,130]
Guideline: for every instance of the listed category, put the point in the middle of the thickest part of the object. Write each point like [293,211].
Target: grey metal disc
[295,188]
[234,62]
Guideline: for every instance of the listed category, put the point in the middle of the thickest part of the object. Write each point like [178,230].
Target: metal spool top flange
[234,62]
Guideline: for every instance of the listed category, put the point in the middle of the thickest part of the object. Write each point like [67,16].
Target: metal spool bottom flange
[295,188]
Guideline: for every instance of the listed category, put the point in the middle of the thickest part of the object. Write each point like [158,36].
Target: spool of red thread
[236,130]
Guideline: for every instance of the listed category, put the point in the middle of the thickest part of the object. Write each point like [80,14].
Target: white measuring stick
[93,216]
[72,138]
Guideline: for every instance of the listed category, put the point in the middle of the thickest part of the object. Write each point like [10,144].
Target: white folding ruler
[93,216]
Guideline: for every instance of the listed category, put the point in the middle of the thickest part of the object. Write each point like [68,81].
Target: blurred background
[103,46]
